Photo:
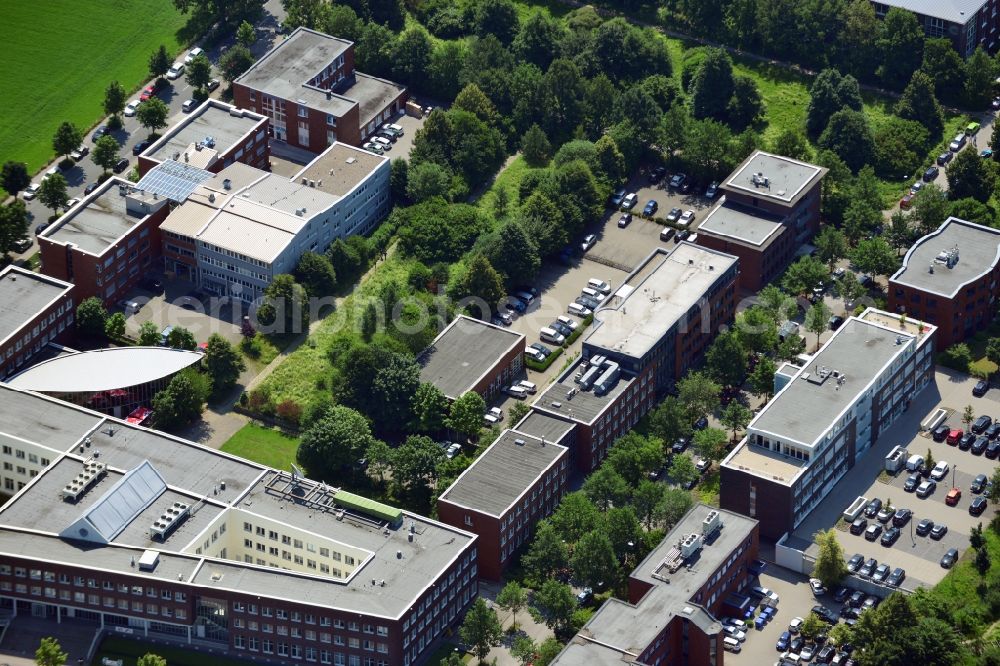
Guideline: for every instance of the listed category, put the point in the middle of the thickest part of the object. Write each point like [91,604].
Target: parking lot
[178,307]
[919,556]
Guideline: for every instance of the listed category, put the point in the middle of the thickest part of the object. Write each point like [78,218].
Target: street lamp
[953,470]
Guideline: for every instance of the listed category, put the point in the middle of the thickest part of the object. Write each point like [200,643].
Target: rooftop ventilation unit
[305,181]
[590,377]
[519,442]
[607,380]
[210,141]
[168,520]
[312,183]
[760,180]
[227,184]
[712,522]
[351,160]
[149,560]
[92,472]
[690,545]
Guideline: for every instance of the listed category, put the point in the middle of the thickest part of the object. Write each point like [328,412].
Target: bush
[290,411]
[541,366]
[260,402]
[957,357]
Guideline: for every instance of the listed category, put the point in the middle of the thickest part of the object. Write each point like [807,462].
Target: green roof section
[369,506]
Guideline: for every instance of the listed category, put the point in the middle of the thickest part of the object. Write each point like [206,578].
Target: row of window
[282,649]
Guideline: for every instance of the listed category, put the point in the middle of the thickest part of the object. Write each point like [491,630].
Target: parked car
[944,158]
[873,508]
[906,203]
[712,190]
[82,151]
[147,93]
[452,451]
[141,146]
[31,191]
[192,54]
[953,497]
[783,640]
[912,481]
[90,188]
[924,527]
[992,450]
[578,310]
[859,526]
[175,71]
[678,180]
[616,197]
[873,532]
[840,596]
[836,321]
[978,483]
[941,433]
[213,84]
[980,389]
[868,568]
[816,585]
[72,202]
[981,424]
[624,220]
[855,562]
[657,174]
[674,215]
[931,173]
[938,531]
[572,323]
[687,218]
[131,107]
[901,517]
[588,242]
[948,559]
[650,208]
[666,233]
[896,577]
[890,537]
[940,470]
[965,443]
[189,105]
[121,165]
[979,446]
[100,131]
[21,245]
[880,574]
[540,348]
[926,489]
[978,506]
[630,200]
[954,436]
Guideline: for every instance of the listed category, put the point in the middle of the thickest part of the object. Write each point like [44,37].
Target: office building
[212,137]
[120,526]
[825,418]
[312,95]
[516,482]
[106,243]
[240,227]
[949,279]
[472,355]
[967,23]
[654,328]
[35,310]
[768,210]
[675,598]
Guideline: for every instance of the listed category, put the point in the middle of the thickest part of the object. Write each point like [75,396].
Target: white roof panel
[118,506]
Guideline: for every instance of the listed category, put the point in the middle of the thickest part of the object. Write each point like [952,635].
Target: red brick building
[212,137]
[106,243]
[652,331]
[515,483]
[35,309]
[769,208]
[472,355]
[309,90]
[967,24]
[949,278]
[672,613]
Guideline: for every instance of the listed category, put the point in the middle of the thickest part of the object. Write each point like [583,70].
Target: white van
[490,420]
[516,391]
[530,387]
[957,143]
[915,463]
[599,285]
[551,335]
[592,293]
[730,644]
[577,309]
[526,297]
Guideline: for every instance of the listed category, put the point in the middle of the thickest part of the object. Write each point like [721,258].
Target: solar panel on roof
[173,180]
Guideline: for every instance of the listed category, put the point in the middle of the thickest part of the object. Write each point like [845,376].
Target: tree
[426,180]
[246,34]
[830,92]
[535,146]
[830,565]
[919,104]
[805,274]
[481,629]
[792,143]
[286,304]
[52,192]
[606,488]
[182,401]
[152,114]
[548,651]
[817,319]
[91,317]
[945,67]
[699,395]
[669,421]
[13,224]
[746,106]
[414,464]
[114,327]
[930,208]
[336,440]
[316,274]
[466,416]
[547,553]
[554,604]
[150,659]
[515,252]
[901,45]
[594,561]
[624,530]
[14,177]
[181,338]
[929,461]
[235,61]
[875,256]
[149,334]
[223,363]
[228,13]
[712,443]
[575,516]
[497,18]
[682,470]
[523,649]
[979,74]
[776,303]
[49,653]
[199,73]
[726,359]
[430,408]
[114,100]
[849,136]
[66,139]
[634,456]
[736,416]
[831,244]
[971,176]
[411,55]
[968,416]
[105,152]
[761,380]
[159,62]
[538,40]
[483,282]
[812,626]
[512,598]
[712,85]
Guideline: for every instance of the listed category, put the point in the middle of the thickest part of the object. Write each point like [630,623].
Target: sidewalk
[537,632]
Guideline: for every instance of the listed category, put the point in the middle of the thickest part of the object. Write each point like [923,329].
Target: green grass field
[58,60]
[264,445]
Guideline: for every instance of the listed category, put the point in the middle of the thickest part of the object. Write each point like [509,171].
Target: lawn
[266,446]
[960,592]
[57,63]
[115,647]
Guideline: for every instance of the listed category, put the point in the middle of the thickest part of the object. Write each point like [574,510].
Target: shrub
[260,402]
[290,411]
[541,366]
[957,357]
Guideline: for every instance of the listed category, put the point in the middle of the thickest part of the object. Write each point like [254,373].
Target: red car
[147,92]
[906,202]
[954,436]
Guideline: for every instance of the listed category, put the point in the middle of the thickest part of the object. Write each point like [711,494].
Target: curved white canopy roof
[104,369]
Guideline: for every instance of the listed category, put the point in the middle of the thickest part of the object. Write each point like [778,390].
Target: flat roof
[741,224]
[260,233]
[105,216]
[372,94]
[226,126]
[219,485]
[809,404]
[628,629]
[976,250]
[636,323]
[565,399]
[955,11]
[765,463]
[542,425]
[504,472]
[787,180]
[104,369]
[23,295]
[463,352]
[340,168]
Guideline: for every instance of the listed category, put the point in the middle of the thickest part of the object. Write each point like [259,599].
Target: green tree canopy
[698,394]
[900,43]
[105,153]
[830,92]
[875,256]
[91,317]
[712,85]
[414,464]
[466,416]
[336,440]
[849,136]
[736,416]
[52,192]
[223,363]
[971,176]
[711,443]
[481,629]
[50,653]
[831,244]
[182,401]
[199,72]
[152,114]
[316,274]
[575,516]
[14,177]
[606,488]
[67,138]
[554,604]
[830,565]
[594,561]
[817,319]
[513,598]
[114,327]
[918,103]
[726,359]
[235,61]
[634,456]
[682,469]
[546,554]
[430,408]
[803,275]
[150,659]
[13,224]
[181,338]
